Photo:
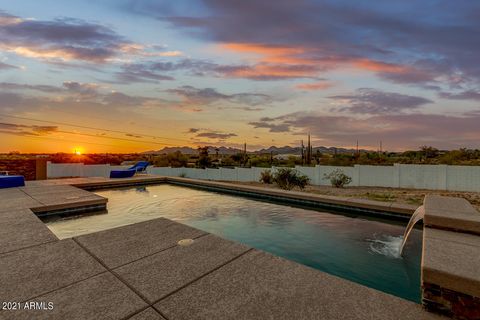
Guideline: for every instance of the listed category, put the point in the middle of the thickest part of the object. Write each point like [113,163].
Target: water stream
[393,246]
[416,216]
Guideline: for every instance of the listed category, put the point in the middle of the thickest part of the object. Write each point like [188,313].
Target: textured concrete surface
[99,182]
[100,297]
[21,228]
[20,203]
[261,286]
[116,247]
[452,260]
[451,213]
[111,183]
[15,198]
[27,273]
[67,182]
[164,272]
[148,314]
[51,193]
[36,190]
[61,197]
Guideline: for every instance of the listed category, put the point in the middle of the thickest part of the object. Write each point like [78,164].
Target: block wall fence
[433,177]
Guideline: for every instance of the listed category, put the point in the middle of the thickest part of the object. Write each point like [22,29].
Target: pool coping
[337,303]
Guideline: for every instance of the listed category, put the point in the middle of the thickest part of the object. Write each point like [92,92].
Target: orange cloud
[269,71]
[321,85]
[270,53]
[274,61]
[262,49]
[6,20]
[40,53]
[377,66]
[278,61]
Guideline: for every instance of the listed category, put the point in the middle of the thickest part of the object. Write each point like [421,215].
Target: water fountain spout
[416,216]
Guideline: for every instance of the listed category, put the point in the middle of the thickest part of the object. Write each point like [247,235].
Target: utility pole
[310,149]
[303,154]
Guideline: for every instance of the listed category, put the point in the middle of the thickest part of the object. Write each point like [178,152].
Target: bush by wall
[338,179]
[266,177]
[287,179]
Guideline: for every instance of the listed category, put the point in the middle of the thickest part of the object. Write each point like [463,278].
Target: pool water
[355,248]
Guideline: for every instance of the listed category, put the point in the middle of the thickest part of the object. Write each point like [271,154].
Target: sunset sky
[137,75]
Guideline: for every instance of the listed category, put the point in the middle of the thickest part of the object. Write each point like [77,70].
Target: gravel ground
[397,195]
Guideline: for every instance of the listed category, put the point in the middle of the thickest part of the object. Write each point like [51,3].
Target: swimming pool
[352,247]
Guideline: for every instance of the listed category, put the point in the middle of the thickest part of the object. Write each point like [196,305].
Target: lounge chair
[140,166]
[11,181]
[130,172]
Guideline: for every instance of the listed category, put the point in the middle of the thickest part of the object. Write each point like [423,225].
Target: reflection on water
[357,249]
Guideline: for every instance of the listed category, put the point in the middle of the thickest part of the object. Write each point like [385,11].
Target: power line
[59,139]
[115,138]
[91,128]
[97,117]
[106,137]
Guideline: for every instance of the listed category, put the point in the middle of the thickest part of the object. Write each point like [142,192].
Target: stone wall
[450,303]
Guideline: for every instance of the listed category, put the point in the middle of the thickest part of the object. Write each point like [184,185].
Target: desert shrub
[287,179]
[337,178]
[302,181]
[266,177]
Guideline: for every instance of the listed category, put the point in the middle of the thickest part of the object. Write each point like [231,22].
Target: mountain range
[228,150]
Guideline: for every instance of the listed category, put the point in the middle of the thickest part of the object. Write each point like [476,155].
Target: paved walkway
[140,271]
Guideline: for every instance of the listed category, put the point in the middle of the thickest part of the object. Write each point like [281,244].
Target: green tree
[429,152]
[203,158]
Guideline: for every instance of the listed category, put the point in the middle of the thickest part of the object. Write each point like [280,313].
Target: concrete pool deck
[140,271]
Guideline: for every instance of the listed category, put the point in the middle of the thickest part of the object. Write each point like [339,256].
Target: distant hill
[273,149]
[189,150]
[166,150]
[281,150]
[298,150]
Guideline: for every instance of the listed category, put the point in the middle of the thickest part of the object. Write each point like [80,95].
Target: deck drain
[185,242]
